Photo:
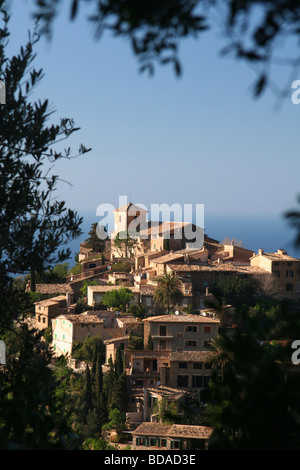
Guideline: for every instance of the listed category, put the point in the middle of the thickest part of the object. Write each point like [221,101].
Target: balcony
[144,373]
[163,336]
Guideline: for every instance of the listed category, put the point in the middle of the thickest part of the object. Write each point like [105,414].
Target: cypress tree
[87,390]
[98,383]
[119,362]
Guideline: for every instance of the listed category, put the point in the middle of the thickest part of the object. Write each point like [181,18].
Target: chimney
[260,251]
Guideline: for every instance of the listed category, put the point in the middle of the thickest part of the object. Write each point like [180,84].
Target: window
[182,365]
[197,365]
[163,443]
[206,344]
[44,320]
[207,366]
[191,328]
[162,345]
[191,343]
[276,264]
[289,263]
[162,331]
[289,287]
[182,380]
[290,273]
[277,273]
[207,329]
[197,381]
[176,445]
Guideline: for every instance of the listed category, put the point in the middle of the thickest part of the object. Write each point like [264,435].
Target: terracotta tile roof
[172,256]
[54,288]
[281,255]
[190,356]
[190,432]
[106,288]
[180,319]
[86,317]
[153,429]
[158,228]
[52,301]
[169,392]
[113,340]
[223,267]
[147,290]
[173,430]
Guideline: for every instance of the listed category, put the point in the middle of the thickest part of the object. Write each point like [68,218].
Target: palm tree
[221,353]
[168,290]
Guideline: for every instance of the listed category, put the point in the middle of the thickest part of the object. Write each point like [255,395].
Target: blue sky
[199,139]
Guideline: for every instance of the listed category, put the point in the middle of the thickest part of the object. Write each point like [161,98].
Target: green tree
[149,346]
[235,291]
[31,405]
[84,350]
[136,342]
[168,291]
[242,405]
[56,275]
[94,242]
[118,298]
[125,244]
[138,310]
[98,383]
[116,421]
[119,362]
[85,284]
[167,412]
[121,267]
[77,269]
[87,397]
[34,229]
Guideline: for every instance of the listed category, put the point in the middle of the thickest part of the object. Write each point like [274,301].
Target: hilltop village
[154,304]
